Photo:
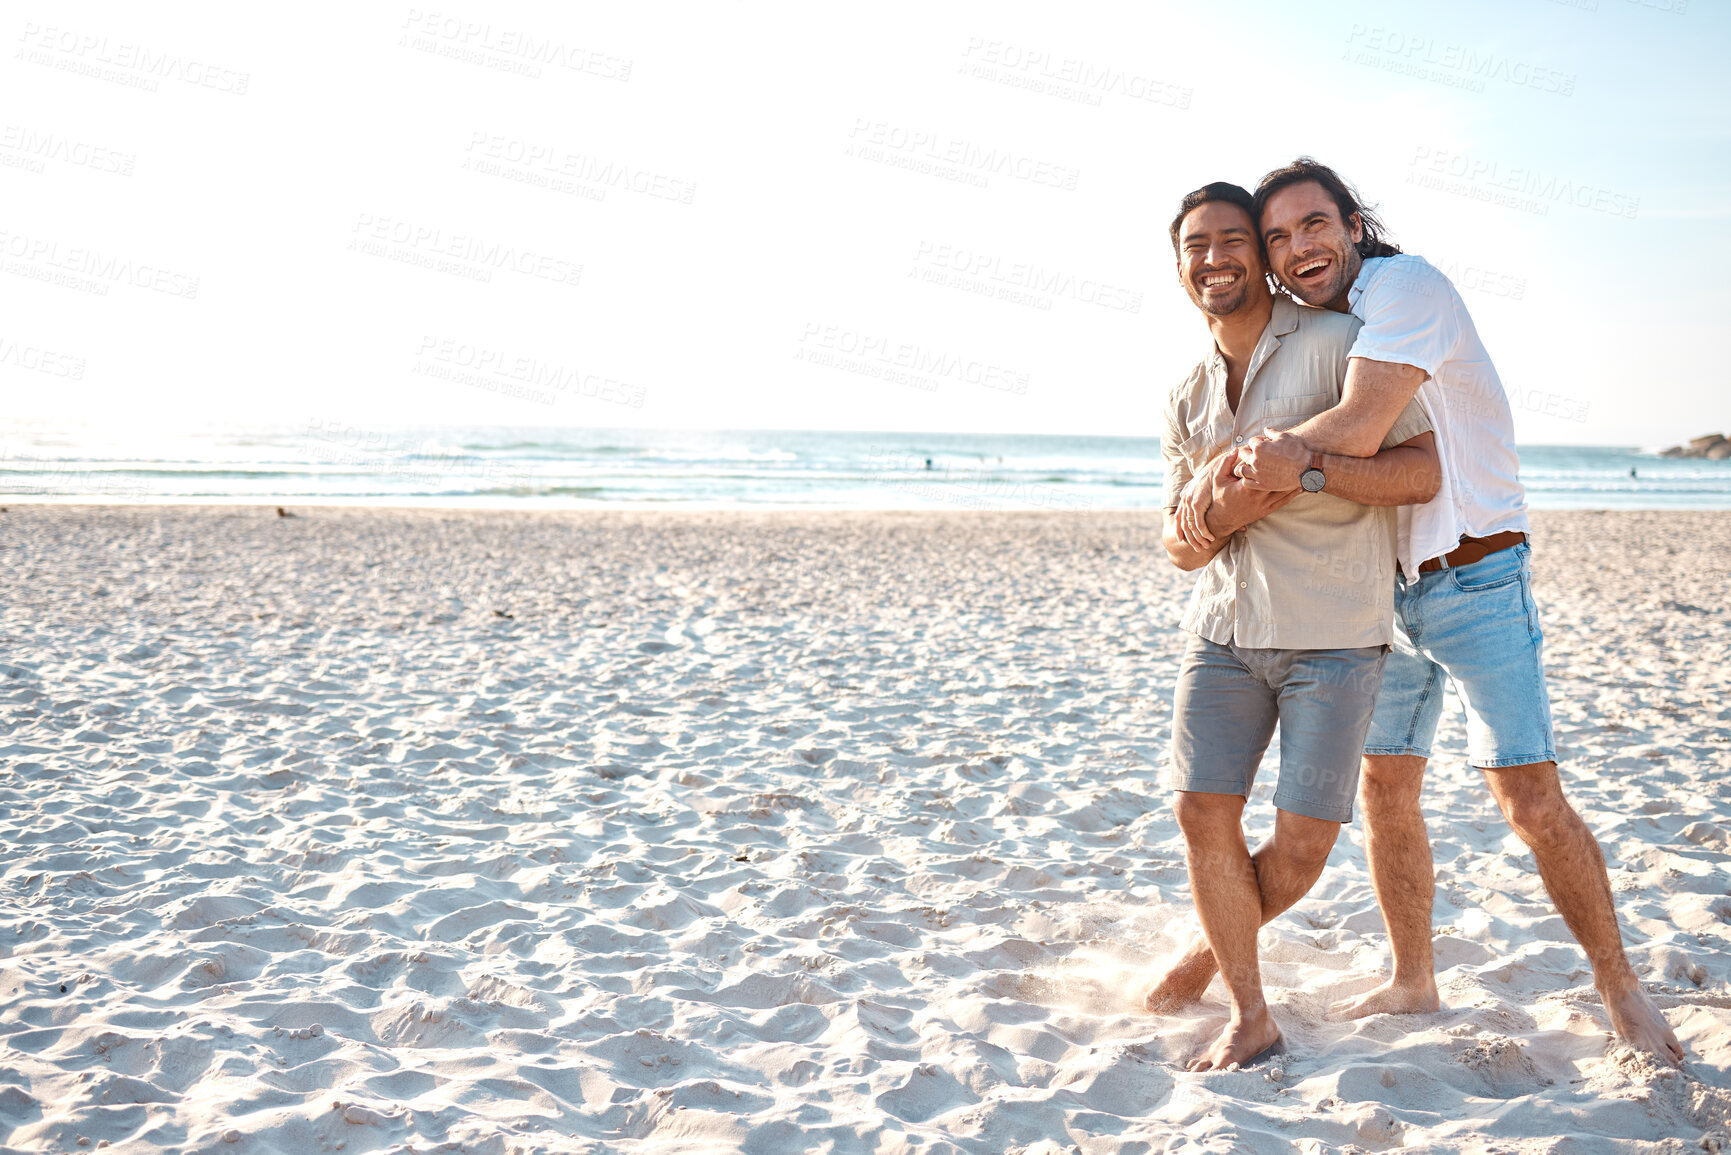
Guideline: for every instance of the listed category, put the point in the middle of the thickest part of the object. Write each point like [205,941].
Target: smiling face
[1219,261]
[1311,250]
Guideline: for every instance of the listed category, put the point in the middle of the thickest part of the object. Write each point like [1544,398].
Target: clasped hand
[1262,475]
[1272,461]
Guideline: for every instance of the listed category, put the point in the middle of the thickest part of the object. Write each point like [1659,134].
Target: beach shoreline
[751,830]
[502,467]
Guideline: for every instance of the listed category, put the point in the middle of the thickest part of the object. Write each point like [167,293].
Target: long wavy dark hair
[1345,198]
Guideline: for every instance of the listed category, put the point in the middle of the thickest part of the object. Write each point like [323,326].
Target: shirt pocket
[1285,412]
[1200,447]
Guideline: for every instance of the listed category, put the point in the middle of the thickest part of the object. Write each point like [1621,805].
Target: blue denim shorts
[1229,698]
[1476,626]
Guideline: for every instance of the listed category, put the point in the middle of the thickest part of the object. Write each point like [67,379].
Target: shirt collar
[1360,282]
[1283,321]
[1284,318]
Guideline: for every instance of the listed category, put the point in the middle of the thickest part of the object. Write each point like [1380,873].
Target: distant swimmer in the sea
[1465,576]
[1273,638]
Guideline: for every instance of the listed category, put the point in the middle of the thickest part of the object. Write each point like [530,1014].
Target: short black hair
[1345,198]
[1220,190]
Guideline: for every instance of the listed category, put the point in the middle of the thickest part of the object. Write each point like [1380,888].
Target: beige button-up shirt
[1318,573]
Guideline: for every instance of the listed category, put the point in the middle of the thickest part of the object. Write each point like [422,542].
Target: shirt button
[1238,441]
[1243,585]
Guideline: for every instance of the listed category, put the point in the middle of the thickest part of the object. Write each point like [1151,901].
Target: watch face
[1312,480]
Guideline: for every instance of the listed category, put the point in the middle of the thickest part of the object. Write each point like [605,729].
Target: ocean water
[610,468]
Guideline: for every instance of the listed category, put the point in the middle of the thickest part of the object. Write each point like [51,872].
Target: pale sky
[895,216]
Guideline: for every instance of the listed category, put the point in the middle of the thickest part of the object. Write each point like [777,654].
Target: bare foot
[1184,983]
[1390,998]
[1242,1040]
[1638,1022]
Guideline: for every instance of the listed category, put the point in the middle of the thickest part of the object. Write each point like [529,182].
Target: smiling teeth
[1218,280]
[1309,265]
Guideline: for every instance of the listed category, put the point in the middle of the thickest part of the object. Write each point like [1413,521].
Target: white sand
[771,833]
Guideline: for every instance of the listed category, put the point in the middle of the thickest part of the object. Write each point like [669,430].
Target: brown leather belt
[1473,549]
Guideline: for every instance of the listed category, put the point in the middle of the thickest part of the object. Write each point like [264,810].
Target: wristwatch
[1312,480]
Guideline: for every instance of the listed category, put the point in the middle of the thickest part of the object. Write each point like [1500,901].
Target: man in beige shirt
[1291,616]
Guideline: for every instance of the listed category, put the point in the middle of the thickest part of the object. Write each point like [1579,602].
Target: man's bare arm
[1404,474]
[1235,506]
[1184,555]
[1190,518]
[1371,399]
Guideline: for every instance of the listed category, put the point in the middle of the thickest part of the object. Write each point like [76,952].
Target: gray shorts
[1229,698]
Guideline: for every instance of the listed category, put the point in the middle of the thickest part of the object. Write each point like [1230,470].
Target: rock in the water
[1713,447]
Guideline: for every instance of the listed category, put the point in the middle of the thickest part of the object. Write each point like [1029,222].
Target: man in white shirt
[1463,600]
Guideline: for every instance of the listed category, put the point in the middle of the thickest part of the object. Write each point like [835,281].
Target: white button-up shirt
[1317,573]
[1413,316]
